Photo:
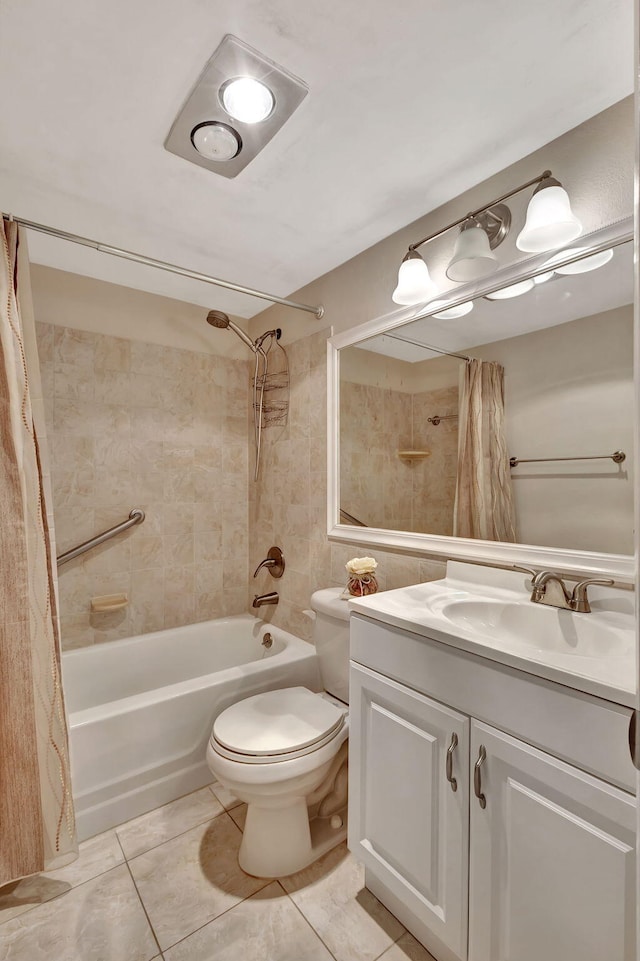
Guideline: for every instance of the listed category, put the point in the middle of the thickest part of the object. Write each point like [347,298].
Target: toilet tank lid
[330,601]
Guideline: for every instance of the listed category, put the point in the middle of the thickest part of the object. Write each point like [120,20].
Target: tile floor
[167,886]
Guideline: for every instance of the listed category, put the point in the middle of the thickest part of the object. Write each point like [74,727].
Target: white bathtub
[141,709]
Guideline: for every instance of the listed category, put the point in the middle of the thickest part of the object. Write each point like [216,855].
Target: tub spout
[270,598]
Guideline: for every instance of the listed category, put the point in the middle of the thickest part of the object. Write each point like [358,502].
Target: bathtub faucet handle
[274,562]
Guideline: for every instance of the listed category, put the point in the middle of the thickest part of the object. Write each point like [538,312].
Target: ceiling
[408,106]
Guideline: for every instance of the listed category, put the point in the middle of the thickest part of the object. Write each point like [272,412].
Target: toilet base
[280,841]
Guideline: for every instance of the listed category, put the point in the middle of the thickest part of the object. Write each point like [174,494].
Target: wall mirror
[498,425]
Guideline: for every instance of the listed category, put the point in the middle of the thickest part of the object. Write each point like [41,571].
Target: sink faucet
[549,588]
[270,598]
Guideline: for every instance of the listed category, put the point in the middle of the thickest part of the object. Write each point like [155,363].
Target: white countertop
[421,609]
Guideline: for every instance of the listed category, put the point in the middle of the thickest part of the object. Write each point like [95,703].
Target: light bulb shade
[415,285]
[513,290]
[587,263]
[550,221]
[450,313]
[472,257]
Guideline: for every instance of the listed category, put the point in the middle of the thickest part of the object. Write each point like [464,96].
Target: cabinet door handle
[452,746]
[477,777]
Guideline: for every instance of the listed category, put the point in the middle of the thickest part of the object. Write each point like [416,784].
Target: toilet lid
[277,722]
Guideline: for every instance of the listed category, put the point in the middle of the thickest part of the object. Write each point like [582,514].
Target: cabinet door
[551,859]
[405,820]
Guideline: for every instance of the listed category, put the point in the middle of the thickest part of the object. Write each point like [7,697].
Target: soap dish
[107,603]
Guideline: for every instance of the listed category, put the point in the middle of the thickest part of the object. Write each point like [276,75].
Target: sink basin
[529,627]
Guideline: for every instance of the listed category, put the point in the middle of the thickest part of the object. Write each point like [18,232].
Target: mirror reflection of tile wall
[566,349]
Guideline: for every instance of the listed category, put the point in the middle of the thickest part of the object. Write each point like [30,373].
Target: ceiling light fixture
[239,103]
[247,100]
[216,141]
[550,224]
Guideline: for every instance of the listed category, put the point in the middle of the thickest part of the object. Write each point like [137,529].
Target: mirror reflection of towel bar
[617,457]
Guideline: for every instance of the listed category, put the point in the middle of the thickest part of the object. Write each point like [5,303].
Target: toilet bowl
[284,753]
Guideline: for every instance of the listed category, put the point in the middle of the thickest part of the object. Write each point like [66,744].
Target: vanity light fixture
[586,264]
[513,290]
[550,223]
[460,310]
[414,281]
[543,278]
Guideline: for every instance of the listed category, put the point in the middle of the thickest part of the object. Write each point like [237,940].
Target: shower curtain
[484,498]
[37,830]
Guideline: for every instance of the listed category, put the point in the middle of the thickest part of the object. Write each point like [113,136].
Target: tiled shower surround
[134,424]
[377,485]
[288,504]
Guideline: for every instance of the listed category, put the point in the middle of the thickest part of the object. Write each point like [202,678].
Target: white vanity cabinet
[531,856]
[409,815]
[552,858]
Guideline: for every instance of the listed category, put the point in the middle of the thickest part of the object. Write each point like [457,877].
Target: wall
[134,424]
[595,162]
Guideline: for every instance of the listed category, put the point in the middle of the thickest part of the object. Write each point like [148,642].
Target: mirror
[563,353]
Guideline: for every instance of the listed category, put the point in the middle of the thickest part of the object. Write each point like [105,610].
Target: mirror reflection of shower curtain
[36,811]
[484,498]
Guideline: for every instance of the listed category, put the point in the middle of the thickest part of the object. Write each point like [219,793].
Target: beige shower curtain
[37,830]
[484,498]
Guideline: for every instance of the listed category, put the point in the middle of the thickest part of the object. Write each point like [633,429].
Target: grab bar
[135,517]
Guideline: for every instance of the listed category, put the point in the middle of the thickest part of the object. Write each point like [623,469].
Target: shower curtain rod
[436,350]
[162,265]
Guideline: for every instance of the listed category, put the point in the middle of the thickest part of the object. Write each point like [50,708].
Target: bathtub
[141,709]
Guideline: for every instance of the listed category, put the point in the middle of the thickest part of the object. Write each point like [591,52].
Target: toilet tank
[331,638]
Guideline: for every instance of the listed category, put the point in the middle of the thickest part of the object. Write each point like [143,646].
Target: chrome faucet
[549,588]
[579,599]
[270,598]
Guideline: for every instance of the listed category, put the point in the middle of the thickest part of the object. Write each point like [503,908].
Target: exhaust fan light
[247,100]
[216,141]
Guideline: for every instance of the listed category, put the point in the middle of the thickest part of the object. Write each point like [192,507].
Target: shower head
[219,319]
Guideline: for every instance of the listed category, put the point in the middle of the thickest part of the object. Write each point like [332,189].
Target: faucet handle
[579,601]
[274,562]
[524,570]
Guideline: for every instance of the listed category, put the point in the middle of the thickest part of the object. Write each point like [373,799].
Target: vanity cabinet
[410,820]
[552,855]
[529,857]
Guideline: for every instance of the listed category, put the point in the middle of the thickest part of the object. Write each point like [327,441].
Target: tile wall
[288,503]
[134,424]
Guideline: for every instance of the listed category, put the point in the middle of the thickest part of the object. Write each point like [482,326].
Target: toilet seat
[276,726]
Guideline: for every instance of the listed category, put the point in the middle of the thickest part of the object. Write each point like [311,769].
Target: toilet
[284,752]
